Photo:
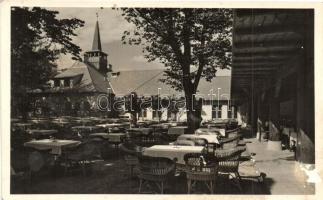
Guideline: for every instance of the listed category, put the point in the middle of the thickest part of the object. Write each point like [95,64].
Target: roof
[69,73]
[92,80]
[146,83]
[265,41]
[96,45]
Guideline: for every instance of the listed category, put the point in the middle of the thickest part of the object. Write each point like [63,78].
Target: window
[219,109]
[169,114]
[216,112]
[61,83]
[143,113]
[155,114]
[56,83]
[234,111]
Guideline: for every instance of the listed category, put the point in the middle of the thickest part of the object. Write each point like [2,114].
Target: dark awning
[263,41]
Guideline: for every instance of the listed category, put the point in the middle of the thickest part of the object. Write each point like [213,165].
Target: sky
[112,25]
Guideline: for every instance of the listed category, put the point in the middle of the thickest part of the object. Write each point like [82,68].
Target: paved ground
[283,173]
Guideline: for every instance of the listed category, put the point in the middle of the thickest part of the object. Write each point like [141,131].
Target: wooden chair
[199,169]
[156,170]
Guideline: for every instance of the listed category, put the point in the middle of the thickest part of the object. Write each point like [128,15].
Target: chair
[229,143]
[198,169]
[184,143]
[229,160]
[83,154]
[132,152]
[232,133]
[155,169]
[37,160]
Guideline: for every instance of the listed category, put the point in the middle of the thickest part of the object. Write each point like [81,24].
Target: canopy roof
[264,40]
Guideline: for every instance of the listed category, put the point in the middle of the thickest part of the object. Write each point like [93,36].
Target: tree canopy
[191,43]
[38,37]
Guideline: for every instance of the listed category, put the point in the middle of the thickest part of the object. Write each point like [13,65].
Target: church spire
[96,45]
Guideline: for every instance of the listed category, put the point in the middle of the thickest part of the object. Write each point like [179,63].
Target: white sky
[112,25]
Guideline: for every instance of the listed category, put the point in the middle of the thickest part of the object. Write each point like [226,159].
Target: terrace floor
[111,176]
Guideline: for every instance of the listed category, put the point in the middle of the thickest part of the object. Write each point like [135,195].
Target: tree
[38,37]
[191,43]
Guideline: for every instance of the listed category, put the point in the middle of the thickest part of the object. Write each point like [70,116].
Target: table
[60,123]
[172,152]
[41,131]
[113,125]
[210,131]
[112,137]
[177,130]
[144,131]
[55,146]
[86,128]
[83,121]
[163,125]
[23,126]
[212,139]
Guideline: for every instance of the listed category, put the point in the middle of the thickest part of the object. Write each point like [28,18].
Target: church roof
[91,81]
[96,45]
[146,83]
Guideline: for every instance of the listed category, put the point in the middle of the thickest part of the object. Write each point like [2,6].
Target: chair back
[229,143]
[232,133]
[156,166]
[199,163]
[200,142]
[131,148]
[91,148]
[184,143]
[229,158]
[35,161]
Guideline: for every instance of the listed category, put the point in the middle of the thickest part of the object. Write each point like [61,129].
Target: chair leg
[189,185]
[211,187]
[140,184]
[238,175]
[131,170]
[65,168]
[162,187]
[238,179]
[83,168]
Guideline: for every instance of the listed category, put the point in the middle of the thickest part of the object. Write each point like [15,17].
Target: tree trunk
[193,113]
[134,120]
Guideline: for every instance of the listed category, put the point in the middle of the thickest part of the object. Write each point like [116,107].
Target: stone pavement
[283,173]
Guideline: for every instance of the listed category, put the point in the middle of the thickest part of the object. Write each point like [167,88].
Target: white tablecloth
[172,152]
[110,125]
[56,146]
[41,132]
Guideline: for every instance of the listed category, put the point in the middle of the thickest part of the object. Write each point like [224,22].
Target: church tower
[96,57]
